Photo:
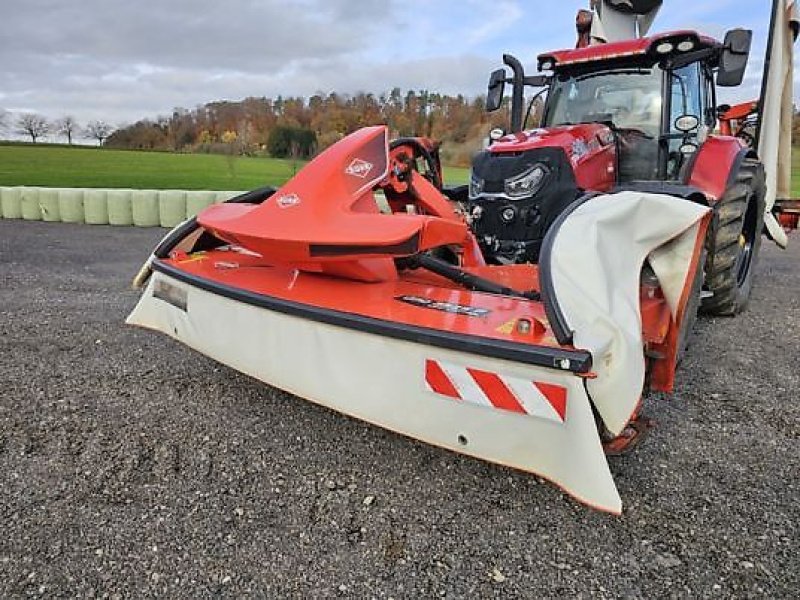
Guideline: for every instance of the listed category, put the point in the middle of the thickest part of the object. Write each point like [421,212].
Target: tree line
[292,127]
[298,127]
[36,126]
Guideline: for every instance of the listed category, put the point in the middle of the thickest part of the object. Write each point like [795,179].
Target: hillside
[79,166]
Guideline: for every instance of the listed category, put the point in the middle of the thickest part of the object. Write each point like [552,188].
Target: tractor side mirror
[538,81]
[733,61]
[497,86]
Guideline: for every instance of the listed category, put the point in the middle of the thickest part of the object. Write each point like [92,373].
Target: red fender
[716,160]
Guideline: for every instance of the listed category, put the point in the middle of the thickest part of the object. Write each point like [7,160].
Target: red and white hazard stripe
[504,392]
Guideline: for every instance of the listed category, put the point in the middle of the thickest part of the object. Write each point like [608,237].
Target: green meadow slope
[80,166]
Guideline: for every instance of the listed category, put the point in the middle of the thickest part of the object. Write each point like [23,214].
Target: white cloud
[122,61]
[502,15]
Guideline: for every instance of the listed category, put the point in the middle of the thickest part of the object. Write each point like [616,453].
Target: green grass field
[79,166]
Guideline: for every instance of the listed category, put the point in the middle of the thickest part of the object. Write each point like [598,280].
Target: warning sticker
[508,327]
[448,307]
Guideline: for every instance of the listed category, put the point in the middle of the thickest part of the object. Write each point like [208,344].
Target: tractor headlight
[686,46]
[528,183]
[475,186]
[665,47]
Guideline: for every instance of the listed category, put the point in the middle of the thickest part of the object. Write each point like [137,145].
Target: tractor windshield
[630,99]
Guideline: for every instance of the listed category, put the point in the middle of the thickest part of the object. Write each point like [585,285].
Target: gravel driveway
[132,467]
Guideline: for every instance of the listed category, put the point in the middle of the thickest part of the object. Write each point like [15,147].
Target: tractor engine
[523,182]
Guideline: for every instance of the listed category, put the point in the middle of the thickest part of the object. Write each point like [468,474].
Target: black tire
[734,242]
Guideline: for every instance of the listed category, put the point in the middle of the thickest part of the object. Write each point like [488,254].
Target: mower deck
[396,319]
[468,382]
[419,306]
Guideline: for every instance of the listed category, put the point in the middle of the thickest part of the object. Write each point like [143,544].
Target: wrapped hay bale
[197,201]
[48,204]
[120,211]
[225,196]
[70,205]
[144,208]
[29,200]
[10,203]
[95,207]
[171,207]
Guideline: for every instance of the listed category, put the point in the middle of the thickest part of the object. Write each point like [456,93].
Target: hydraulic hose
[463,278]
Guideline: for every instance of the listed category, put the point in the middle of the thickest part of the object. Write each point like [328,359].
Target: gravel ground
[133,467]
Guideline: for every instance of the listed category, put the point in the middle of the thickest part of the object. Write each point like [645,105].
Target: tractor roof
[657,46]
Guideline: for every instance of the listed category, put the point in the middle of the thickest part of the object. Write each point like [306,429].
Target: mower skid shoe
[635,432]
[443,397]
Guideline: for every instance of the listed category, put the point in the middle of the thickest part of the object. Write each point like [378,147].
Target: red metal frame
[789,214]
[326,218]
[732,120]
[712,167]
[662,374]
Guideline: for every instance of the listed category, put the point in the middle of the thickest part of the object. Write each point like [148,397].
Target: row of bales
[142,208]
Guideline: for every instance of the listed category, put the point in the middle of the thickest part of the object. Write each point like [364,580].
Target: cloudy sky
[124,60]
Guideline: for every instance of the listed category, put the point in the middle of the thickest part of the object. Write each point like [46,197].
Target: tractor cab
[616,115]
[657,94]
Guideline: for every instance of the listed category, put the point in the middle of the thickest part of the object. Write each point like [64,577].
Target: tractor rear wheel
[734,241]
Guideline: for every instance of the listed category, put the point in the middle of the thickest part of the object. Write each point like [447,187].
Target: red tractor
[637,114]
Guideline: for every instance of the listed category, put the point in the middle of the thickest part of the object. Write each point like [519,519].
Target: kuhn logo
[288,200]
[359,168]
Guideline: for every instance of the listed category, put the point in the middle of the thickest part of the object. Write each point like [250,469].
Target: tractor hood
[522,182]
[579,142]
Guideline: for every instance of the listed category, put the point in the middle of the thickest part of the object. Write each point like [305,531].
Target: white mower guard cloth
[775,141]
[382,380]
[591,267]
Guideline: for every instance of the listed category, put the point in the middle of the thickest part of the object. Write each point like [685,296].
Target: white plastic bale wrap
[595,268]
[225,196]
[10,203]
[95,207]
[120,210]
[70,205]
[48,204]
[171,207]
[144,208]
[29,202]
[197,201]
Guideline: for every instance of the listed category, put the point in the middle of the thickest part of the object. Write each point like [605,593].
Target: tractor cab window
[688,97]
[687,93]
[630,100]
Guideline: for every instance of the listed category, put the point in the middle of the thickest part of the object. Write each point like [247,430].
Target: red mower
[518,319]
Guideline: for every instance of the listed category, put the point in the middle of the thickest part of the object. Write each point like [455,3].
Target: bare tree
[33,125]
[98,130]
[67,126]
